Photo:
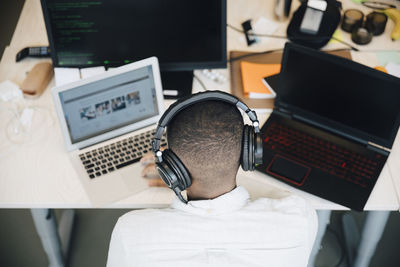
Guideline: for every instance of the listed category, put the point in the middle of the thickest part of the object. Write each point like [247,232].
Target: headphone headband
[195,98]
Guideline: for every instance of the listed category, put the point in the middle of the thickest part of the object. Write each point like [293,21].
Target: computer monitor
[184,35]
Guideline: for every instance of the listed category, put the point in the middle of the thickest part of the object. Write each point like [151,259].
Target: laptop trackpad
[286,168]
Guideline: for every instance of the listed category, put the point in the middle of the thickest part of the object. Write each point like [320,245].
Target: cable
[339,240]
[255,34]
[272,51]
[200,82]
[343,42]
[294,38]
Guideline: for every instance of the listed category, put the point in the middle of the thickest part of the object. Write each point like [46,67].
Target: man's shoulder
[145,219]
[142,215]
[300,212]
[290,204]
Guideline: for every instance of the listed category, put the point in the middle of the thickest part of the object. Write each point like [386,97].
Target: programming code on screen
[116,32]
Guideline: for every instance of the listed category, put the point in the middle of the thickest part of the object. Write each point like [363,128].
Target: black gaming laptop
[332,127]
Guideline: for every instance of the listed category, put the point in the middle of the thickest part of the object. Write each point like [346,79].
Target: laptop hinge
[332,130]
[378,148]
[284,112]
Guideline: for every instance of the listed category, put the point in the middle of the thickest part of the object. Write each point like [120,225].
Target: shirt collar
[231,201]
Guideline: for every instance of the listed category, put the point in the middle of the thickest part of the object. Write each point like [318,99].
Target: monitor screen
[184,35]
[341,91]
[99,107]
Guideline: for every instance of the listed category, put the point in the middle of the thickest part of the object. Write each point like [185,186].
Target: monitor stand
[177,84]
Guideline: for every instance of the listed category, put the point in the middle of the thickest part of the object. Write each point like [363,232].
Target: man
[219,226]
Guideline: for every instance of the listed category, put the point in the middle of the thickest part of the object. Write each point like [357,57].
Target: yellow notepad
[252,76]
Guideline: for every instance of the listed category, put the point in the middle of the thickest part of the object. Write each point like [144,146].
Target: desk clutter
[262,66]
[253,75]
[23,119]
[256,78]
[362,30]
[316,22]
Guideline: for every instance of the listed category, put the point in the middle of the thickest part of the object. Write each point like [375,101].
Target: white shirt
[225,231]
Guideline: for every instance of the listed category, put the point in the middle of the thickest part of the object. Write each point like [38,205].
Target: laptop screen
[106,105]
[341,91]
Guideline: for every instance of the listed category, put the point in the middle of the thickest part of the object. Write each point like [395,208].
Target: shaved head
[207,137]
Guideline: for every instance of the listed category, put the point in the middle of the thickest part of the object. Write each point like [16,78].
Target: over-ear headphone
[171,169]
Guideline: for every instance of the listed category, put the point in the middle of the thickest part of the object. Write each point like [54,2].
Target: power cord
[232,59]
[256,34]
[345,43]
[294,38]
[200,82]
[268,52]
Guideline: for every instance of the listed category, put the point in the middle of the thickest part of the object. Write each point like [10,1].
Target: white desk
[47,178]
[40,175]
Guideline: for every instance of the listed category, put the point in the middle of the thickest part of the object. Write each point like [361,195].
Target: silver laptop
[107,122]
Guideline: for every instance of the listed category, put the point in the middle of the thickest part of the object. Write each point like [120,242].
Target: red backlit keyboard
[320,154]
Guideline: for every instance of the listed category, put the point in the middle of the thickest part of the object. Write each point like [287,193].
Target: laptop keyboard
[321,154]
[117,155]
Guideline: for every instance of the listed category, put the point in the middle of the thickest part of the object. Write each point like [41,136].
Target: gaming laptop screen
[343,94]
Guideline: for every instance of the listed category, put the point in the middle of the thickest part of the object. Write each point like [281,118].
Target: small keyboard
[321,154]
[117,155]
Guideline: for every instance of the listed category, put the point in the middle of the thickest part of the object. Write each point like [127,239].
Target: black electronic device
[282,9]
[272,82]
[314,27]
[251,38]
[171,169]
[332,127]
[36,51]
[183,35]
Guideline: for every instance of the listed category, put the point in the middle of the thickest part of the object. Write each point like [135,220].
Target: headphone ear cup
[252,150]
[166,174]
[178,168]
[245,149]
[251,133]
[258,149]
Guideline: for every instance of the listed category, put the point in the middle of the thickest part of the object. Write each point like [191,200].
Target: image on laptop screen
[103,106]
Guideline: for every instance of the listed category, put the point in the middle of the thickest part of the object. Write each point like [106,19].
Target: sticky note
[385,57]
[338,35]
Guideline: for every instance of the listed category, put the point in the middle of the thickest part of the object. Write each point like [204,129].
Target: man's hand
[149,171]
